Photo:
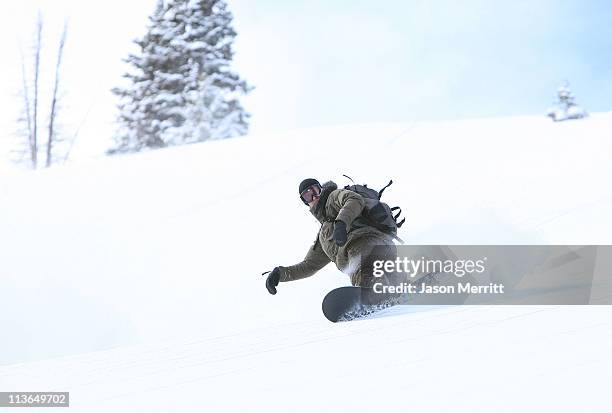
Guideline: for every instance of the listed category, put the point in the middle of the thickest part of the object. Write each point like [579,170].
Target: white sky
[320,62]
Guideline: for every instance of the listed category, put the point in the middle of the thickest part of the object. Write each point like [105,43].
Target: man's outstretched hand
[273,280]
[339,236]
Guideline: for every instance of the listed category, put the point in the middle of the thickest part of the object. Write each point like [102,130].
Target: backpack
[376,213]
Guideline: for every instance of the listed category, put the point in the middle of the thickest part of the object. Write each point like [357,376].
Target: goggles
[310,193]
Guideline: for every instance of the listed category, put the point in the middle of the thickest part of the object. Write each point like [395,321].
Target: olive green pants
[365,252]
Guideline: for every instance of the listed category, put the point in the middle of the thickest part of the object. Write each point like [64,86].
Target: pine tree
[566,107]
[181,88]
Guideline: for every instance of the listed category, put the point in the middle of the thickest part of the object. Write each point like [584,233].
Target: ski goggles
[310,193]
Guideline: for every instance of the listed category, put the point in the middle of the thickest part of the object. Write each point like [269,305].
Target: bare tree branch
[26,99]
[53,113]
[38,46]
[76,133]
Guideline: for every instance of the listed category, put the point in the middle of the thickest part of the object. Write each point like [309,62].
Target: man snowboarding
[345,236]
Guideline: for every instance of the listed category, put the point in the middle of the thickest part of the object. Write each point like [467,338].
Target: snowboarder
[344,237]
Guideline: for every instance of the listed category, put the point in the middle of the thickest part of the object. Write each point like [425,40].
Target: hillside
[134,282]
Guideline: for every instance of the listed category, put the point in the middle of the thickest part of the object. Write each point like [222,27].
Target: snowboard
[350,303]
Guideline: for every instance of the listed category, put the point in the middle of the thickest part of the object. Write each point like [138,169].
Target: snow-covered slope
[134,282]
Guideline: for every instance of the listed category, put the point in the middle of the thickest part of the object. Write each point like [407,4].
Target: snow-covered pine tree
[181,88]
[566,107]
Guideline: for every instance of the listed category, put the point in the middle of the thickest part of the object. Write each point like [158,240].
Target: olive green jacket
[346,206]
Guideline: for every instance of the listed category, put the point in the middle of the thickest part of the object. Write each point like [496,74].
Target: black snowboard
[349,303]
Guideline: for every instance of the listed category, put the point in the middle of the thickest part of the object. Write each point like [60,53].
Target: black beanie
[306,183]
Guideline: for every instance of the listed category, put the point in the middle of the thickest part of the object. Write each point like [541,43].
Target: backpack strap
[396,216]
[316,241]
[395,208]
[401,241]
[385,187]
[346,176]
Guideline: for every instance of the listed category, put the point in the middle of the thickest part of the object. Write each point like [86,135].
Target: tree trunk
[34,144]
[53,112]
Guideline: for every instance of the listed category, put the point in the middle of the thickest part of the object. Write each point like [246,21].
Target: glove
[273,280]
[339,236]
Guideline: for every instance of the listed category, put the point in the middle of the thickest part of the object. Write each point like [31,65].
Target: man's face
[311,195]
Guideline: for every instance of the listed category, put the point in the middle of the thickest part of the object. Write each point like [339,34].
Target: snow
[134,282]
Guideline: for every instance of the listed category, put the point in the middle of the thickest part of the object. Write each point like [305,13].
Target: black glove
[273,280]
[339,236]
